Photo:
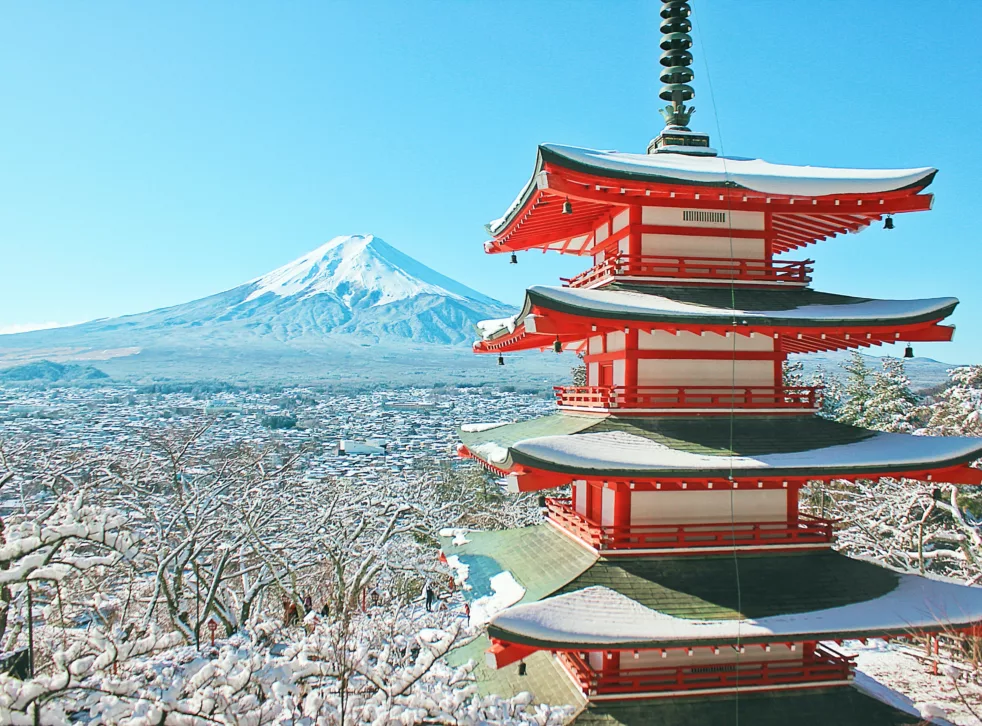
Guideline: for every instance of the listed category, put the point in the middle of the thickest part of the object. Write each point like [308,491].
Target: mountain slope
[351,292]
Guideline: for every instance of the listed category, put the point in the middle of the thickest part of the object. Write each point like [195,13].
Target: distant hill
[354,308]
[47,371]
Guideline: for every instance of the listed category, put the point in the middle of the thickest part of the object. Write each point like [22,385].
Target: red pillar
[793,490]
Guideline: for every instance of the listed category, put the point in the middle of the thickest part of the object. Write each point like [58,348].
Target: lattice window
[702,215]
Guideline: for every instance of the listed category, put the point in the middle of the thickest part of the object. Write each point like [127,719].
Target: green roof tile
[539,557]
[722,587]
[842,706]
[545,679]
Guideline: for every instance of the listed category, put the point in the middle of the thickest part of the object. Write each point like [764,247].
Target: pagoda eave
[572,335]
[914,605]
[539,219]
[527,477]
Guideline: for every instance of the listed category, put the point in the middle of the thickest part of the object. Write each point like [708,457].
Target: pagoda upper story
[649,210]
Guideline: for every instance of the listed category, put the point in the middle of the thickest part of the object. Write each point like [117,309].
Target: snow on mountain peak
[357,268]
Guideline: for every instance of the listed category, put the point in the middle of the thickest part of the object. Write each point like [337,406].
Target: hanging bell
[567,207]
[514,258]
[522,668]
[501,359]
[557,345]
[909,351]
[888,222]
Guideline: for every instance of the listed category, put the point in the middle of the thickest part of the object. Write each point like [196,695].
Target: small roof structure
[681,447]
[808,203]
[796,316]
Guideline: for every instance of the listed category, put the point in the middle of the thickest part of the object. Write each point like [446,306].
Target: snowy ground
[897,666]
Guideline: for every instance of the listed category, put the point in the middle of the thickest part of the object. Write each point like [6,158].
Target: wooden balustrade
[671,398]
[822,666]
[806,530]
[696,268]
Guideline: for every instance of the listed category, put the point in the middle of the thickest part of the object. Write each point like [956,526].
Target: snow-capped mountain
[361,270]
[352,292]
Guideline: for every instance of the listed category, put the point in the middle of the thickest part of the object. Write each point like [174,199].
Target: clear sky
[153,153]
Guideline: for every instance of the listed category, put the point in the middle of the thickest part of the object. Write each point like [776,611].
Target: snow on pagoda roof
[712,306]
[599,616]
[752,174]
[697,446]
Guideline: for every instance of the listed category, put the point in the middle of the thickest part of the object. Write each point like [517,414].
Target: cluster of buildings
[343,435]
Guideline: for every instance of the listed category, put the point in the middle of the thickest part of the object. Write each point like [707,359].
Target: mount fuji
[353,301]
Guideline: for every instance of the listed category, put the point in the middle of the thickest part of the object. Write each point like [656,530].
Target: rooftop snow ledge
[754,174]
[600,616]
[621,451]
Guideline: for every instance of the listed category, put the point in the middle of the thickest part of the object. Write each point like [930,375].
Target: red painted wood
[724,398]
[805,529]
[821,665]
[694,268]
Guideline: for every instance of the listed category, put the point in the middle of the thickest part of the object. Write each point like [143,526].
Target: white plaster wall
[704,656]
[688,372]
[593,374]
[683,507]
[579,497]
[673,216]
[607,507]
[616,341]
[596,345]
[619,372]
[621,221]
[602,232]
[684,340]
[667,245]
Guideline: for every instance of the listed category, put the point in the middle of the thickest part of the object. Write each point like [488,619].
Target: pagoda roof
[602,180]
[608,446]
[573,313]
[841,705]
[662,602]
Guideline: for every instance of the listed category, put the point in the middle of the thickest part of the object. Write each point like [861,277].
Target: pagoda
[679,582]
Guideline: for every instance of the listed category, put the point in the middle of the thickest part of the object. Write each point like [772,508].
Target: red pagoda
[680,583]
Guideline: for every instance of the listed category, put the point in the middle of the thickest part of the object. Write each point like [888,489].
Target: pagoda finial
[676,75]
[676,59]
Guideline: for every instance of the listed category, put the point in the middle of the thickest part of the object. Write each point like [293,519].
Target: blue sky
[154,153]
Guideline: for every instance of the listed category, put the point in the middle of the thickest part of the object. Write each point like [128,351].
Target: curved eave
[552,451]
[912,467]
[829,202]
[572,315]
[598,618]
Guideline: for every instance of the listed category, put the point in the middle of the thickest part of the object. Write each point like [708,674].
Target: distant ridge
[355,299]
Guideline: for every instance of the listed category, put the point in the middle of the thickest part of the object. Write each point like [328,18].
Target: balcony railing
[824,666]
[806,530]
[699,398]
[759,272]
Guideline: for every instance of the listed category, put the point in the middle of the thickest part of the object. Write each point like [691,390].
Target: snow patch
[506,592]
[488,328]
[461,571]
[459,535]
[475,428]
[491,452]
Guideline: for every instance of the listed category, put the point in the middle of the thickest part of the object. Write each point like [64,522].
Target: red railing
[696,268]
[806,398]
[806,530]
[823,666]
